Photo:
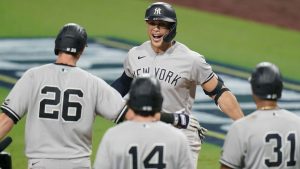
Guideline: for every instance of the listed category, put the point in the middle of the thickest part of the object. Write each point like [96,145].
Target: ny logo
[157,11]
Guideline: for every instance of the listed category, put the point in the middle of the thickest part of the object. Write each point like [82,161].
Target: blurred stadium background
[233,36]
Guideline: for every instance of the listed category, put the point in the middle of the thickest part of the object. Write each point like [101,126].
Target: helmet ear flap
[171,35]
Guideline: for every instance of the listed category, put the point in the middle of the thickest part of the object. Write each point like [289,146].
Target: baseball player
[270,136]
[178,69]
[143,142]
[61,102]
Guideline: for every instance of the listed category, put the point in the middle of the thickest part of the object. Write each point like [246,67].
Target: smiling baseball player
[178,69]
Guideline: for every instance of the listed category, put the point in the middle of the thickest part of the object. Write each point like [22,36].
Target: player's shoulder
[290,115]
[81,71]
[37,70]
[116,132]
[250,118]
[164,128]
[145,45]
[182,48]
[93,77]
[40,67]
[258,114]
[242,123]
[88,76]
[170,130]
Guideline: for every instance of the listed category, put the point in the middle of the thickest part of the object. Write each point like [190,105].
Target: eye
[151,23]
[164,24]
[161,24]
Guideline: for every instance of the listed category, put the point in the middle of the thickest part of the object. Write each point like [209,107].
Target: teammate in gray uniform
[142,141]
[61,102]
[270,136]
[178,69]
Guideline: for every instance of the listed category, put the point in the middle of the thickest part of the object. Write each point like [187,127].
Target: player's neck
[266,105]
[162,48]
[149,118]
[66,59]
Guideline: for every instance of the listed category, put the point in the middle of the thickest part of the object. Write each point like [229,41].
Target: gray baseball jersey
[133,145]
[179,70]
[264,139]
[61,102]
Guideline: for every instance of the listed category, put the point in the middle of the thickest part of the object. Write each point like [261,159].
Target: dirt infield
[282,13]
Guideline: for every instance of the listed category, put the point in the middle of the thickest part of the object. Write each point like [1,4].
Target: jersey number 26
[56,100]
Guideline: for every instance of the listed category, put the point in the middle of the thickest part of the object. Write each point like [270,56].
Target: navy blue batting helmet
[266,81]
[145,96]
[72,38]
[161,11]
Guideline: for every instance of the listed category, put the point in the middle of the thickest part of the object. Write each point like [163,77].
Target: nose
[156,27]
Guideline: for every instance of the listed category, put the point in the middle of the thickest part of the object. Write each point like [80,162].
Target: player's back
[61,110]
[142,145]
[271,138]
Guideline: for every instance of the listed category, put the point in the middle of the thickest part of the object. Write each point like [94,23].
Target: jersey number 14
[157,151]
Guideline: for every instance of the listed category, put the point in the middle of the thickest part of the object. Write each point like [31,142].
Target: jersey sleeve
[16,103]
[233,148]
[102,160]
[201,70]
[126,64]
[109,101]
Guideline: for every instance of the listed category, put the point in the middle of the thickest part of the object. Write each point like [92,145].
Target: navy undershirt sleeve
[122,84]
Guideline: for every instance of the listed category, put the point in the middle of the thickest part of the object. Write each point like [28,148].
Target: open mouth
[156,38]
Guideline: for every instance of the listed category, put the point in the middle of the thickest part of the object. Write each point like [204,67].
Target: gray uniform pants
[195,144]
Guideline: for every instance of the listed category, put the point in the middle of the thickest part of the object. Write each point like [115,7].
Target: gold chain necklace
[267,108]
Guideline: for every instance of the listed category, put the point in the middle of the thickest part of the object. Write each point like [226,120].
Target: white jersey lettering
[179,70]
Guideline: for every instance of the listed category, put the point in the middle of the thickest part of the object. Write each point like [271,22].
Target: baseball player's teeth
[156,37]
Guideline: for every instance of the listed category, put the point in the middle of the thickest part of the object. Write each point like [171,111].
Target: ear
[157,116]
[130,114]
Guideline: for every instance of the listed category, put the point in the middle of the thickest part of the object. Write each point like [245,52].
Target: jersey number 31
[278,150]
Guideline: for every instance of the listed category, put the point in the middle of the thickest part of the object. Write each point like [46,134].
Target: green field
[219,38]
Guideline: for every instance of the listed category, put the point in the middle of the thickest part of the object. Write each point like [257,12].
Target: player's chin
[157,42]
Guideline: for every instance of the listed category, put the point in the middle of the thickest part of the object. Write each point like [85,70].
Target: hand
[195,125]
[189,122]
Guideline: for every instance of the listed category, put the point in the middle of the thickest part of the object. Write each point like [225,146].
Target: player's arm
[122,84]
[223,98]
[224,167]
[179,120]
[183,121]
[6,124]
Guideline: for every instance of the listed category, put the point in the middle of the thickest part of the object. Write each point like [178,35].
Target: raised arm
[223,98]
